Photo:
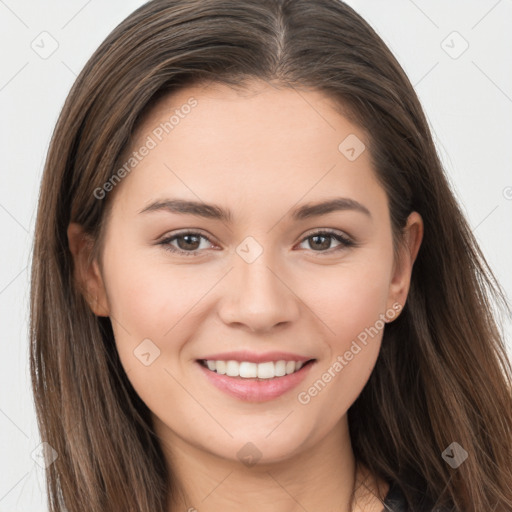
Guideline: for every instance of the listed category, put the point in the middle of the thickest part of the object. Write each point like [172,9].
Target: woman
[252,286]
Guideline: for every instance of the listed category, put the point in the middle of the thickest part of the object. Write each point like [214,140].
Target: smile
[249,370]
[255,382]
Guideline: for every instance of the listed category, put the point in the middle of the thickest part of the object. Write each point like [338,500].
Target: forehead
[217,113]
[260,143]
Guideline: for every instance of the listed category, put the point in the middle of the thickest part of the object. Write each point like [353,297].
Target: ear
[87,273]
[407,252]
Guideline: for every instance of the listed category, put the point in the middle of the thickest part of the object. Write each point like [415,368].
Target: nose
[258,297]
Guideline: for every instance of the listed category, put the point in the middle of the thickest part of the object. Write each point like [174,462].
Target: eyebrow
[212,211]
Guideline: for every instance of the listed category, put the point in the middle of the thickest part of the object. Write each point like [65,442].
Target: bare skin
[261,154]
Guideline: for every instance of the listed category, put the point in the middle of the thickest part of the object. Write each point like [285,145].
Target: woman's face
[239,275]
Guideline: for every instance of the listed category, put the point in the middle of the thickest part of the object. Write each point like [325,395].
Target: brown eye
[190,242]
[187,243]
[321,241]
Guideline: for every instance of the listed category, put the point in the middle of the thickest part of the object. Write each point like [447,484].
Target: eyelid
[185,231]
[166,239]
[344,239]
[330,231]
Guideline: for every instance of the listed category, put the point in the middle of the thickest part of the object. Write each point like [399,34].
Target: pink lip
[253,357]
[254,390]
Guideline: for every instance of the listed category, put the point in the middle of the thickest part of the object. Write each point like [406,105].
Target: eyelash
[344,241]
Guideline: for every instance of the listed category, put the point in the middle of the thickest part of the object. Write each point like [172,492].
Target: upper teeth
[248,370]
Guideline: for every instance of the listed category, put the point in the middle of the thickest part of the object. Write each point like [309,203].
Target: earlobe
[408,251]
[87,273]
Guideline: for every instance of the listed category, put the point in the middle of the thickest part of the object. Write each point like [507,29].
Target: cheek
[351,298]
[351,303]
[150,300]
[153,317]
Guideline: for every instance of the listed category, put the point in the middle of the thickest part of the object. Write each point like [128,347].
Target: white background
[468,101]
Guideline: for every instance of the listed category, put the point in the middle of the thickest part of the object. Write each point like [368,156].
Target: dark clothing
[395,500]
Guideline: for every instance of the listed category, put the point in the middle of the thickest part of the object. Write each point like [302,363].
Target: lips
[252,357]
[255,377]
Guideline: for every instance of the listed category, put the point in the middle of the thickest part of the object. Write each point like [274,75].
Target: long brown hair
[442,375]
